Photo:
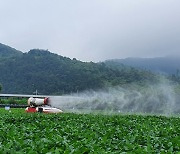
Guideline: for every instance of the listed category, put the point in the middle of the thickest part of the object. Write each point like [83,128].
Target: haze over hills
[164,65]
[53,74]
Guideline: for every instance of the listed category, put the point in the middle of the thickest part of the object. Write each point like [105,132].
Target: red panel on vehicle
[31,109]
[46,101]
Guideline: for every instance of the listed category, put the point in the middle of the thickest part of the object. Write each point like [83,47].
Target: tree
[0,87]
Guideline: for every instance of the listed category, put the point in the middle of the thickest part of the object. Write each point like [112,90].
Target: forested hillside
[7,52]
[53,74]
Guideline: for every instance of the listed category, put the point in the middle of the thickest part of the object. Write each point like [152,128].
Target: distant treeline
[13,101]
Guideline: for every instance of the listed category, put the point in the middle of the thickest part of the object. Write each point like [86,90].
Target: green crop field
[87,133]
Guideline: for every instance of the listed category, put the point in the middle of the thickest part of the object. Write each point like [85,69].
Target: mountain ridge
[50,73]
[7,51]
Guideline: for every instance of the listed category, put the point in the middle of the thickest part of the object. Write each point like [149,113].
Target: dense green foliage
[8,52]
[53,74]
[133,74]
[87,133]
[14,101]
[175,77]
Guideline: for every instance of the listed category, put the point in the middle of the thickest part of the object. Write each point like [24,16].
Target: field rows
[87,133]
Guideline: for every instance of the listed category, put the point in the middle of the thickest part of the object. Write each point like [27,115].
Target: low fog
[152,99]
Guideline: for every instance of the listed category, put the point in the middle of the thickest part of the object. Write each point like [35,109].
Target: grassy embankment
[14,101]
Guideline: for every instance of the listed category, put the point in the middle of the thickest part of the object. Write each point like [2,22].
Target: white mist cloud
[158,99]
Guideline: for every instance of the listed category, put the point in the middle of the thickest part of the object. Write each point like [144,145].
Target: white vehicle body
[36,103]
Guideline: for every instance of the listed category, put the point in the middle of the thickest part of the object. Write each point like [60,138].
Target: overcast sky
[92,30]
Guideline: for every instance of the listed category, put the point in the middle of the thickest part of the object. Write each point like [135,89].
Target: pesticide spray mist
[156,99]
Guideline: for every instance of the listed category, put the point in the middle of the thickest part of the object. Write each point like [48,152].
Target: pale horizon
[94,30]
